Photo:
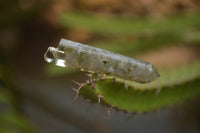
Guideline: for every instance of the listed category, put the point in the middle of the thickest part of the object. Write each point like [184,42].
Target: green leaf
[173,87]
[121,25]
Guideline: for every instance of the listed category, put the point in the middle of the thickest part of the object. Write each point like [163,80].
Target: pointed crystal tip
[153,73]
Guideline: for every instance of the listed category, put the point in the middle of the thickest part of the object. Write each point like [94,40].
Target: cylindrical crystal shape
[83,57]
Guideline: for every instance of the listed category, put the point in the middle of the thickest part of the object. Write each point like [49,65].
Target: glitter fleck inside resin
[75,55]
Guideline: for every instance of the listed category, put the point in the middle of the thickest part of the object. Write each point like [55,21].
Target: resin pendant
[75,55]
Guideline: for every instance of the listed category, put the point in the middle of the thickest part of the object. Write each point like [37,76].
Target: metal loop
[52,50]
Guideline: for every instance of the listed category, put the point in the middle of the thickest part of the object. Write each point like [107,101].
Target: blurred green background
[37,97]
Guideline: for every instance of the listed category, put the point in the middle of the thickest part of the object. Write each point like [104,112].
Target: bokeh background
[37,97]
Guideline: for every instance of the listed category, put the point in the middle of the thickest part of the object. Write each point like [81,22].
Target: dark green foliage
[123,26]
